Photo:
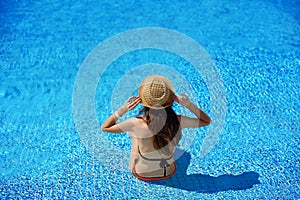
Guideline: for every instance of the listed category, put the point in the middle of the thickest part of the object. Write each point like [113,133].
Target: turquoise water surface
[254,45]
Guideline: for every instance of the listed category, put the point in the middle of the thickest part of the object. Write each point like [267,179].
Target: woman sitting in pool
[157,130]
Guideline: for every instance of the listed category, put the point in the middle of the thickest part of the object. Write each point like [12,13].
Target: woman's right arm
[188,122]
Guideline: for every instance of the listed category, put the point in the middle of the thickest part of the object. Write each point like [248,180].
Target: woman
[157,130]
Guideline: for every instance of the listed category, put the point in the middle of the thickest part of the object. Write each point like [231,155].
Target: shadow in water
[206,183]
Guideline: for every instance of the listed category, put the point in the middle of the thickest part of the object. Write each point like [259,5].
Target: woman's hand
[110,124]
[187,122]
[183,100]
[129,104]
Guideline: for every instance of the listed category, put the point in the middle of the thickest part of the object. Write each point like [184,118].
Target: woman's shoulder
[138,120]
[129,124]
[139,128]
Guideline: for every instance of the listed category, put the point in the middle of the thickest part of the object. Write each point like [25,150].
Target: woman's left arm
[110,124]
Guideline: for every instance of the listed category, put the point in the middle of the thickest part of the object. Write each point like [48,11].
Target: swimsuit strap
[165,170]
[163,162]
[153,159]
[153,178]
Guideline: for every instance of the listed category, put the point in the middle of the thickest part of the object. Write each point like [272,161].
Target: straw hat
[156,92]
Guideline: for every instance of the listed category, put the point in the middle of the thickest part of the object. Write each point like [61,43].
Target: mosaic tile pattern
[255,45]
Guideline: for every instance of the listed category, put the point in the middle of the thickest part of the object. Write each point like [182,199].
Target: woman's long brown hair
[164,124]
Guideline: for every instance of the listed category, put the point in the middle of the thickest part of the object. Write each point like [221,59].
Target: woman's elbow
[103,128]
[205,123]
[208,122]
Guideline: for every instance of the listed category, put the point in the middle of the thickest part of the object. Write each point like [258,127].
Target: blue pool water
[255,46]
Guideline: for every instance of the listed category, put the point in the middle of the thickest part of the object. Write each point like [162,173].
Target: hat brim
[148,80]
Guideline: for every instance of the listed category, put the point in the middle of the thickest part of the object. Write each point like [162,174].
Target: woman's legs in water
[134,155]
